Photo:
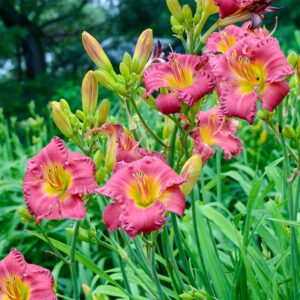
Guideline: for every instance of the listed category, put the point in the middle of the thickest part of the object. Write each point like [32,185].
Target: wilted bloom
[54,180]
[191,172]
[95,51]
[213,129]
[22,281]
[89,92]
[144,191]
[61,121]
[187,77]
[255,7]
[252,69]
[121,146]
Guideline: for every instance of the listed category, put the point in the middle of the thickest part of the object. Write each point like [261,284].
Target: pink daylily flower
[187,77]
[251,69]
[143,191]
[22,281]
[54,181]
[213,129]
[121,146]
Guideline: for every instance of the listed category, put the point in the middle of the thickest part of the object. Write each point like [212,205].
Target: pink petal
[205,117]
[231,126]
[230,144]
[83,172]
[111,216]
[155,77]
[203,150]
[12,264]
[227,7]
[268,52]
[174,200]
[128,156]
[135,220]
[71,207]
[204,84]
[187,61]
[168,103]
[109,130]
[236,104]
[161,156]
[273,94]
[220,67]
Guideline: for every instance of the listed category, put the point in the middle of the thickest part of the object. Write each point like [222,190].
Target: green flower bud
[98,158]
[197,17]
[26,217]
[61,121]
[124,70]
[289,132]
[65,107]
[103,112]
[127,60]
[74,121]
[178,29]
[188,14]
[173,21]
[100,175]
[176,10]
[293,59]
[80,115]
[89,92]
[105,79]
[82,235]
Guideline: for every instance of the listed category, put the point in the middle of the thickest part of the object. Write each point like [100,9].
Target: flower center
[57,180]
[126,142]
[248,74]
[15,289]
[208,131]
[143,190]
[227,41]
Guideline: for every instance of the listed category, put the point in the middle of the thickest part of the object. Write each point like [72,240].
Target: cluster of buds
[131,68]
[194,294]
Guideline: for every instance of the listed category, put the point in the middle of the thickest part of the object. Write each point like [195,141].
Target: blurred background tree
[41,55]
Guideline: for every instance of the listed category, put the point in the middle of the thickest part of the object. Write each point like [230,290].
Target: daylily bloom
[187,77]
[121,146]
[22,281]
[54,180]
[143,191]
[251,69]
[213,129]
[256,8]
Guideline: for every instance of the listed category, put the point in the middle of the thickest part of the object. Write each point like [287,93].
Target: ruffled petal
[135,220]
[187,61]
[110,130]
[220,68]
[13,264]
[234,103]
[71,207]
[273,94]
[174,200]
[145,152]
[168,103]
[155,77]
[41,283]
[203,150]
[111,216]
[269,53]
[83,172]
[230,144]
[204,84]
[205,118]
[227,7]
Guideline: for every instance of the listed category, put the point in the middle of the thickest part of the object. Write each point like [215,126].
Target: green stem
[172,146]
[205,37]
[153,267]
[219,192]
[156,138]
[287,190]
[54,249]
[73,261]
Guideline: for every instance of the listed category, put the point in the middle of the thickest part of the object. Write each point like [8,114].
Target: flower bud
[89,93]
[173,21]
[298,67]
[142,51]
[197,17]
[191,172]
[95,51]
[293,59]
[105,79]
[209,7]
[178,29]
[263,137]
[74,121]
[65,107]
[82,235]
[168,127]
[176,10]
[127,60]
[80,115]
[124,70]
[289,132]
[86,289]
[26,217]
[103,112]
[98,158]
[266,115]
[100,175]
[188,14]
[237,17]
[61,121]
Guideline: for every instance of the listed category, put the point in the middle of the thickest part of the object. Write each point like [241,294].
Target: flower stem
[73,261]
[287,191]
[172,146]
[219,192]
[156,138]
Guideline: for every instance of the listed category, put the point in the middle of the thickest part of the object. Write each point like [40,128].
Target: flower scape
[136,186]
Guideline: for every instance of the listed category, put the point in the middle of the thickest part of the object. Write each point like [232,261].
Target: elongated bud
[65,107]
[26,217]
[289,132]
[127,60]
[298,68]
[237,17]
[100,175]
[197,17]
[293,59]
[89,93]
[191,172]
[176,10]
[98,158]
[95,51]
[103,112]
[105,79]
[86,289]
[80,115]
[82,235]
[142,51]
[209,7]
[61,121]
[173,21]
[188,14]
[124,70]
[263,137]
